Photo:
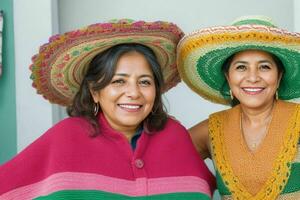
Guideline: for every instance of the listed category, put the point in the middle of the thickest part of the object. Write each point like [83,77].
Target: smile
[131,107]
[253,90]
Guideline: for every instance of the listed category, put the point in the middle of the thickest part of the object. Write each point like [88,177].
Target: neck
[257,115]
[128,132]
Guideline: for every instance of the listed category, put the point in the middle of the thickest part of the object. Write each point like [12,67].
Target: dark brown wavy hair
[100,73]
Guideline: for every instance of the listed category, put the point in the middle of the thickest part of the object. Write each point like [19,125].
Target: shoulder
[58,138]
[200,132]
[45,154]
[173,129]
[200,137]
[288,104]
[288,110]
[201,127]
[65,130]
[175,135]
[224,112]
[70,125]
[174,124]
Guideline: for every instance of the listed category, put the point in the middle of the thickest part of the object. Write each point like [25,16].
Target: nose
[133,91]
[253,76]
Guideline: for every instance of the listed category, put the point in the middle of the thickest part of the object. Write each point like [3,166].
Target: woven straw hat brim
[61,64]
[201,55]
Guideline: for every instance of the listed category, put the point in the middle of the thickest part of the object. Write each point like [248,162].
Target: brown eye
[145,82]
[241,67]
[118,82]
[265,67]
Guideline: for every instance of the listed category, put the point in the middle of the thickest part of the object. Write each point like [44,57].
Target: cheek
[106,99]
[271,80]
[234,79]
[109,93]
[150,95]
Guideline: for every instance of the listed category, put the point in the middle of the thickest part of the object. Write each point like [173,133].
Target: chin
[131,122]
[254,103]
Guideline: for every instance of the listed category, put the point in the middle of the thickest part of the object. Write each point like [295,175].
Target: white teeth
[253,89]
[129,106]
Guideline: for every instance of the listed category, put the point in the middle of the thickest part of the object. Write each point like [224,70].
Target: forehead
[133,63]
[253,54]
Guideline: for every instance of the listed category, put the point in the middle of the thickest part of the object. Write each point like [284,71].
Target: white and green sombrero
[201,55]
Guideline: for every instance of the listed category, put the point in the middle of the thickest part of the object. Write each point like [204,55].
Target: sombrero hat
[60,65]
[201,55]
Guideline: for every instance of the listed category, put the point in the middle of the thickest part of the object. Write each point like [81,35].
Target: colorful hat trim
[60,65]
[201,55]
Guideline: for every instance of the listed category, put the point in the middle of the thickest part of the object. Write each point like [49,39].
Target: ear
[279,79]
[226,76]
[95,95]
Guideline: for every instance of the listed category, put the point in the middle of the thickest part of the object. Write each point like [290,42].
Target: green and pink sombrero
[60,65]
[201,54]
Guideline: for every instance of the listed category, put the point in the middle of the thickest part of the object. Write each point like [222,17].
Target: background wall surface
[35,22]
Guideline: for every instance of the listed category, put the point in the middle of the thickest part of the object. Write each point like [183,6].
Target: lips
[253,90]
[130,107]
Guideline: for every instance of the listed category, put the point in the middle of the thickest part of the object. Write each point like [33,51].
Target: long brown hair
[100,73]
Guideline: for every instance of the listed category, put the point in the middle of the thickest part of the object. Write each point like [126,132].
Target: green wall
[8,128]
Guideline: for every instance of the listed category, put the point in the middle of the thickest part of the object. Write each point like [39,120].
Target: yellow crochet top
[263,173]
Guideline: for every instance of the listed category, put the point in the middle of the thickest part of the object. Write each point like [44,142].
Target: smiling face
[128,99]
[253,78]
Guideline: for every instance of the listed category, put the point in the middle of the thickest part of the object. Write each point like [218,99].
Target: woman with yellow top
[253,66]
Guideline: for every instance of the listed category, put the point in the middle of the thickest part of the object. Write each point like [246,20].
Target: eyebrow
[261,61]
[236,62]
[127,75]
[268,61]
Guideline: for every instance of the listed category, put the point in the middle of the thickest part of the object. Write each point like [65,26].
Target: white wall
[185,105]
[34,22]
[296,15]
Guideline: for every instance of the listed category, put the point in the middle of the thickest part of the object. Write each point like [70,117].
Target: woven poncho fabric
[65,163]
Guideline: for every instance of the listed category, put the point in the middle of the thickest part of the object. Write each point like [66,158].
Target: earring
[276,95]
[96,108]
[231,95]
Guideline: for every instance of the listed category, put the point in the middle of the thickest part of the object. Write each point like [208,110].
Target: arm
[200,137]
